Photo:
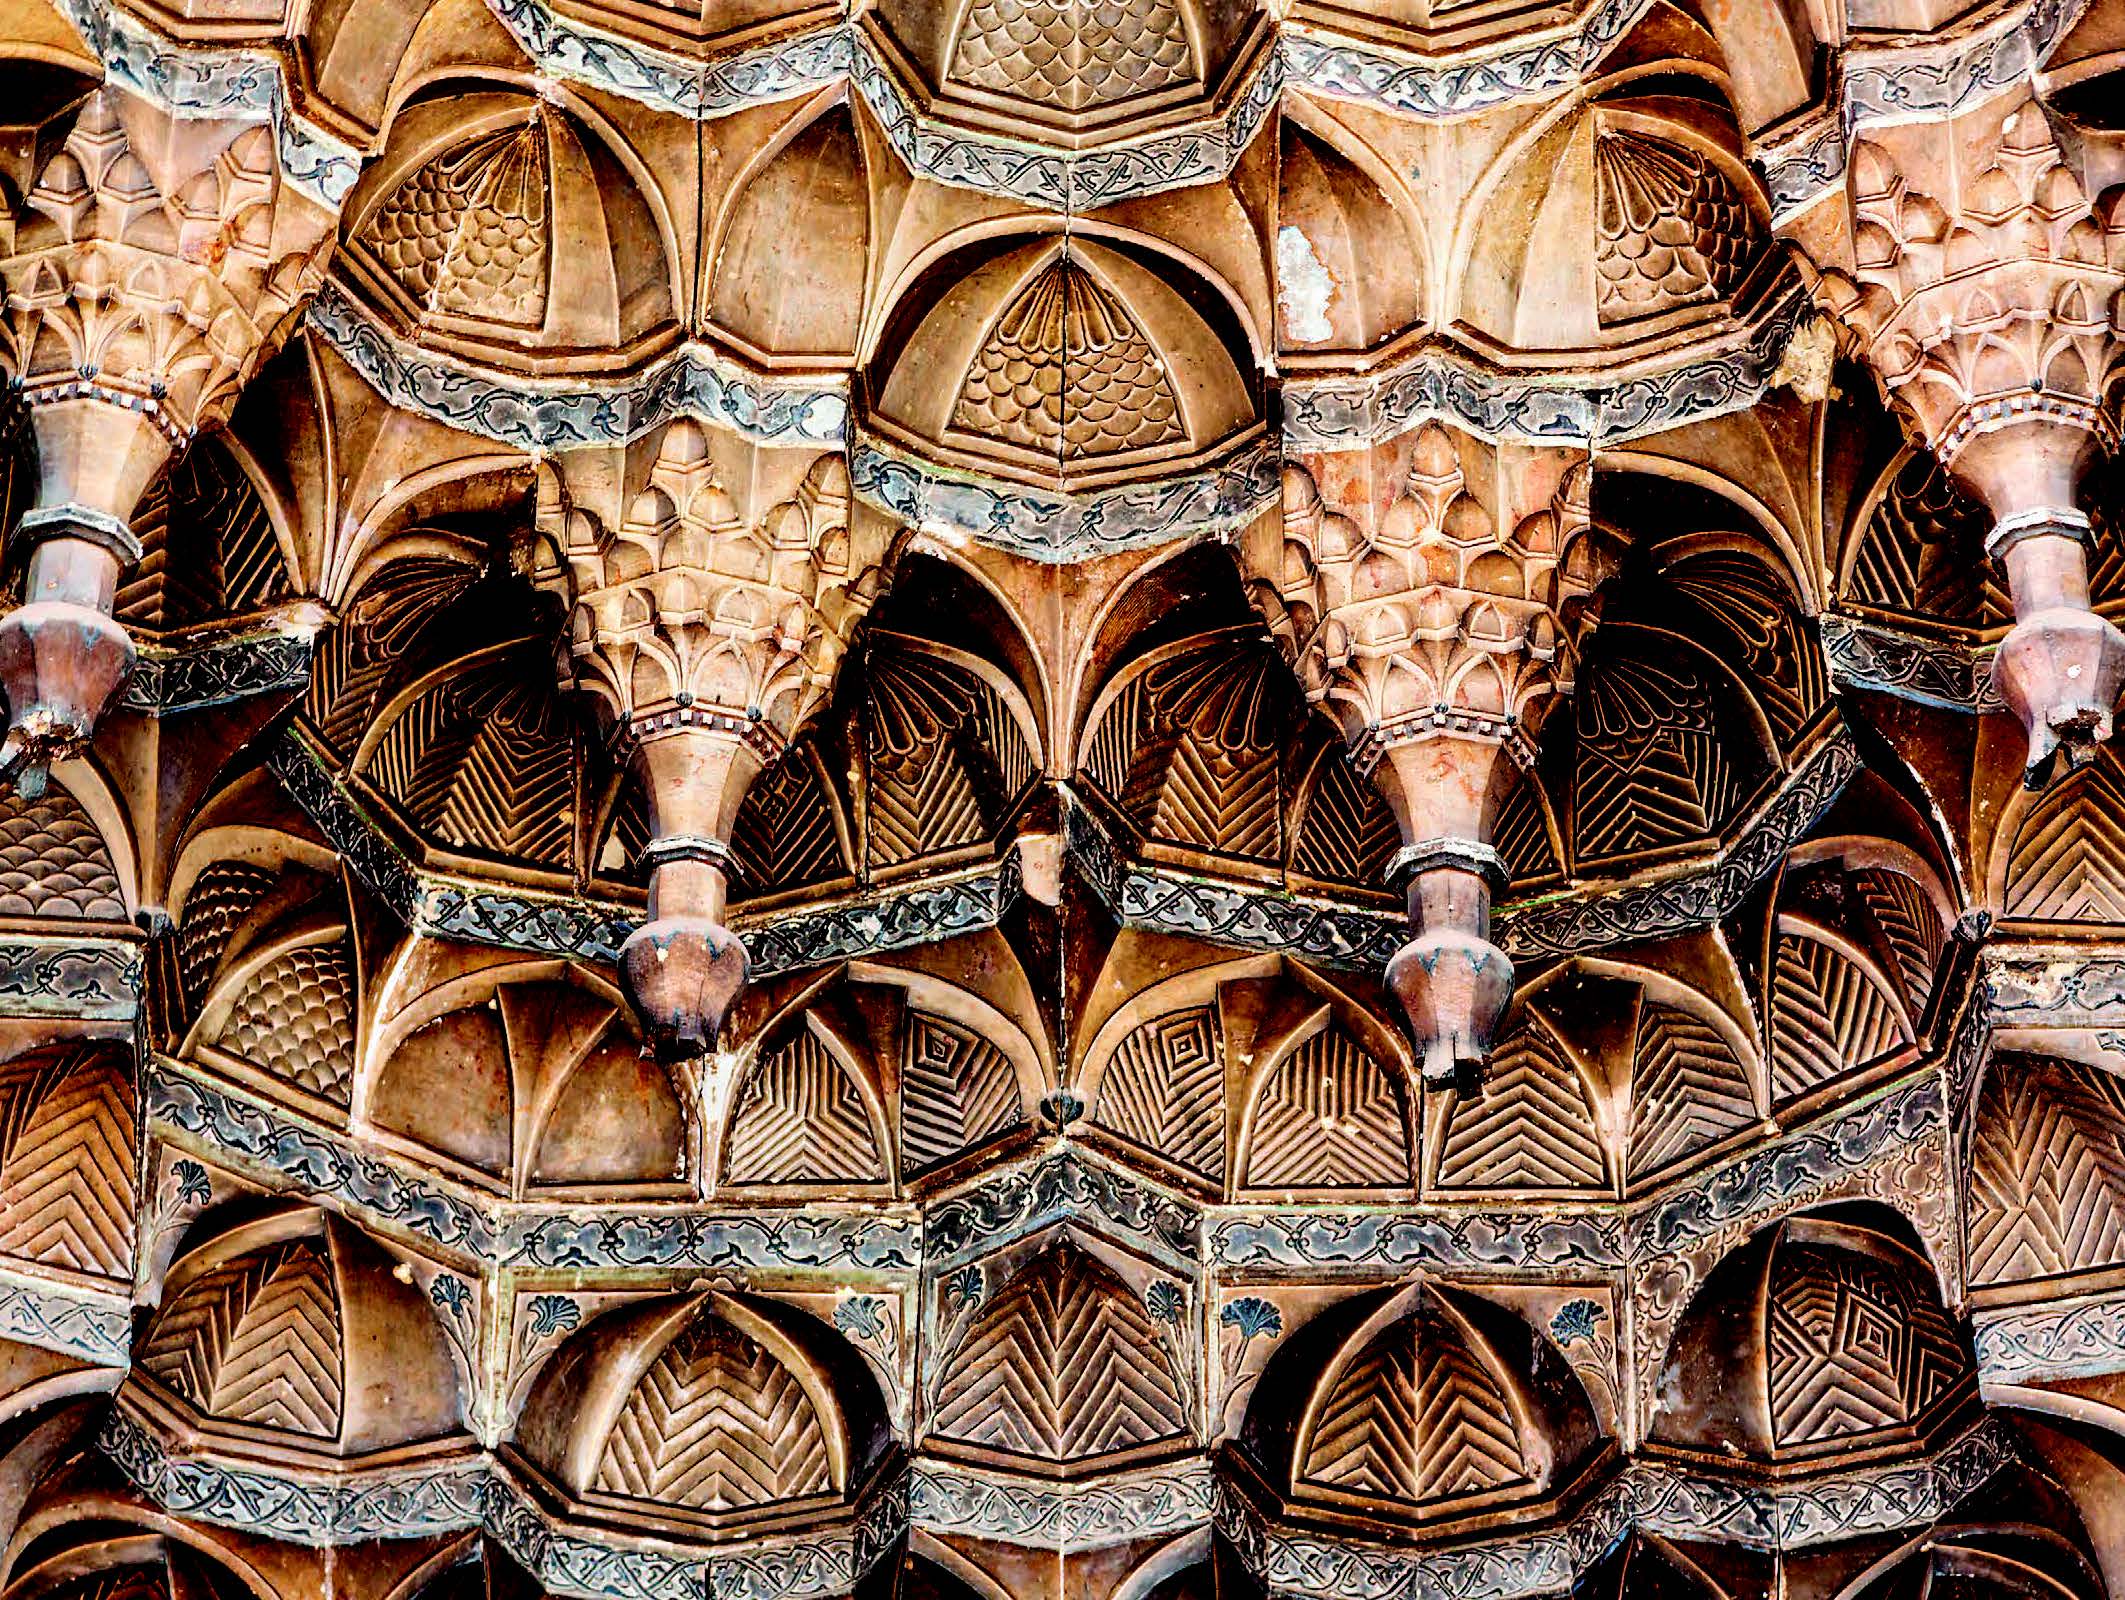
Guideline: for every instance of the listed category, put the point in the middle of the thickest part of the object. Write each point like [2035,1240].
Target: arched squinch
[119,1530]
[905,276]
[2081,1439]
[36,35]
[790,239]
[1142,1581]
[952,1575]
[281,514]
[1340,210]
[1726,1013]
[524,86]
[1786,544]
[1174,595]
[1768,50]
[386,530]
[939,581]
[1116,1005]
[848,1052]
[1006,1013]
[84,779]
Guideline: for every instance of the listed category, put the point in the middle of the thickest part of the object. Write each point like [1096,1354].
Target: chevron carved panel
[1852,1350]
[1063,1365]
[1827,1016]
[716,1424]
[2064,865]
[67,1159]
[1688,1090]
[1532,1127]
[257,1341]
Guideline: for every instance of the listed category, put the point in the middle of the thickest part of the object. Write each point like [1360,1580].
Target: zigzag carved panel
[2067,863]
[1064,1364]
[800,1120]
[1165,1090]
[717,1424]
[1687,1089]
[1827,1016]
[257,1341]
[1330,1118]
[957,1090]
[1531,1127]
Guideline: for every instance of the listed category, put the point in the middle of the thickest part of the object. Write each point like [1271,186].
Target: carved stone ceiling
[1062,800]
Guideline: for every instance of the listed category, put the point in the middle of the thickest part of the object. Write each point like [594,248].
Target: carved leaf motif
[1671,231]
[800,1120]
[1416,1416]
[1073,55]
[1165,1090]
[1532,1127]
[1687,1089]
[1331,1118]
[2047,1178]
[1066,372]
[1063,1364]
[957,1091]
[1652,769]
[67,1156]
[716,1423]
[295,1020]
[257,1341]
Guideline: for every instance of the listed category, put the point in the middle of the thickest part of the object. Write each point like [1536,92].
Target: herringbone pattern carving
[1827,1016]
[1852,1349]
[1909,924]
[717,1424]
[1165,1090]
[1329,1119]
[784,834]
[257,1341]
[957,1090]
[1532,1127]
[67,1152]
[1687,1090]
[1652,767]
[800,1120]
[1063,1365]
[1348,835]
[2047,1175]
[1417,1416]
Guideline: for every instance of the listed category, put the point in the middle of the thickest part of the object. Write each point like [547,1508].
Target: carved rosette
[1989,308]
[156,262]
[1439,643]
[706,640]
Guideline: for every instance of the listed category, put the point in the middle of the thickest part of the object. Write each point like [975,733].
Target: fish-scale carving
[1827,1016]
[220,897]
[717,1424]
[2067,863]
[257,1341]
[800,1120]
[67,1150]
[295,1020]
[53,862]
[1073,55]
[1687,1089]
[1652,768]
[1064,1364]
[2047,1174]
[466,235]
[1532,1127]
[1165,1090]
[1670,229]
[784,837]
[1852,1350]
[957,1090]
[1331,1118]
[1417,1416]
[1067,373]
